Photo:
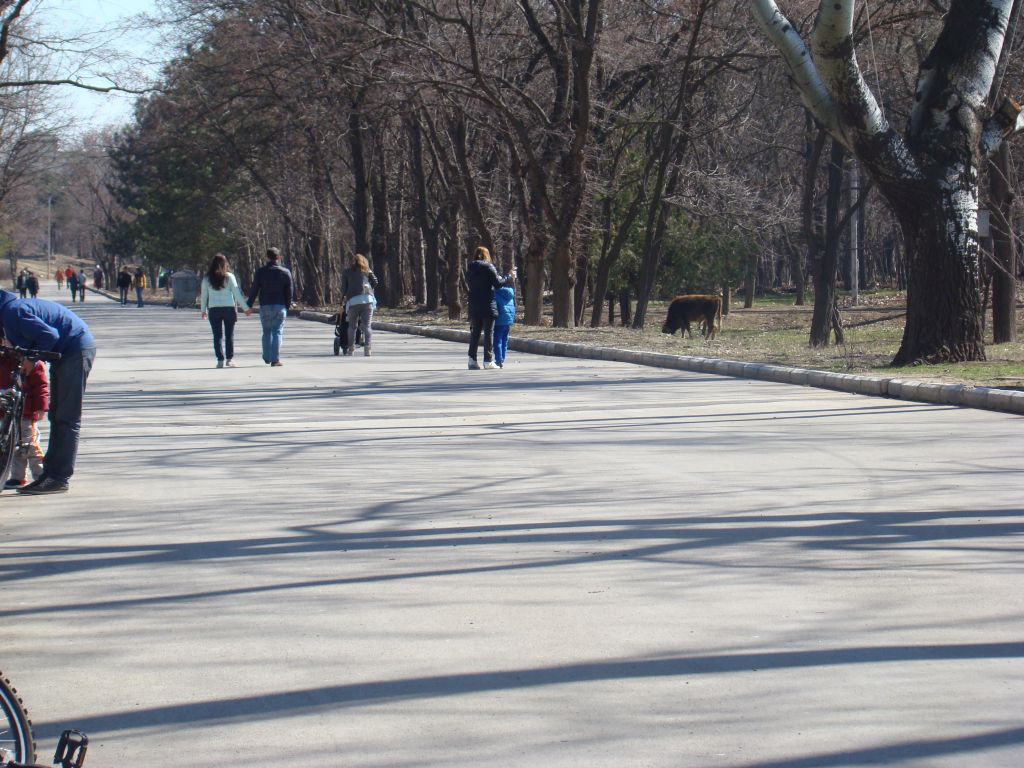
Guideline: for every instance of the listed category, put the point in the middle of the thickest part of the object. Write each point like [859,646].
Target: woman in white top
[221,298]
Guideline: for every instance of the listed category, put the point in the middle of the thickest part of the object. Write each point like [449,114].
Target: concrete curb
[964,395]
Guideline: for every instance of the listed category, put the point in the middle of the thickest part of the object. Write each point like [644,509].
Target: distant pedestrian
[124,282]
[140,285]
[220,297]
[73,277]
[482,279]
[505,303]
[22,284]
[357,286]
[98,277]
[28,456]
[272,286]
[48,326]
[59,277]
[81,285]
[33,284]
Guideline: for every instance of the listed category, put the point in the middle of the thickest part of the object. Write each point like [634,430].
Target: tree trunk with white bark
[929,175]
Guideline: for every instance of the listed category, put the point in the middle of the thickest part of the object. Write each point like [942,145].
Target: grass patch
[774,331]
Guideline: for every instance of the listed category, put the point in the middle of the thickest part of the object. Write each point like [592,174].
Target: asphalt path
[393,561]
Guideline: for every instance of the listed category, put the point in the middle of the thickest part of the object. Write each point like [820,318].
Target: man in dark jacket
[45,325]
[272,285]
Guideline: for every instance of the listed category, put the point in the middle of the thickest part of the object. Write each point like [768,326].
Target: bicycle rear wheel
[16,741]
[10,435]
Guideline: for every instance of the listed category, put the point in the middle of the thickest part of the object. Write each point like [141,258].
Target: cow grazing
[704,308]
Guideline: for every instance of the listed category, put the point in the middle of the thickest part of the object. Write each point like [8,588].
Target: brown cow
[683,309]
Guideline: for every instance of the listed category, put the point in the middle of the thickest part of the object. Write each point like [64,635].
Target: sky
[91,110]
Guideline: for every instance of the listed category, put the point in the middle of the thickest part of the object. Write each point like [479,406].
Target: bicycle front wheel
[16,741]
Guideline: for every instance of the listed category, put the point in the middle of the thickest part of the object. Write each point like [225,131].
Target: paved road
[392,561]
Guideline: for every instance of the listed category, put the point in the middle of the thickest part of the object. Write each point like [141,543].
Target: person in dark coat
[73,278]
[124,282]
[482,279]
[272,286]
[33,284]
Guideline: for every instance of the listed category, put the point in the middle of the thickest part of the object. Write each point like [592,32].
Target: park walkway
[392,561]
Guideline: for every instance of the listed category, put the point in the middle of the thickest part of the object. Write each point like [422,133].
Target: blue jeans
[222,321]
[501,342]
[138,295]
[67,388]
[272,318]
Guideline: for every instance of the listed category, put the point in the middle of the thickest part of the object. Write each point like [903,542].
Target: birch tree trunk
[929,174]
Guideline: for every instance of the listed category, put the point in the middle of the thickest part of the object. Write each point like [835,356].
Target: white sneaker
[229,364]
[474,365]
[490,364]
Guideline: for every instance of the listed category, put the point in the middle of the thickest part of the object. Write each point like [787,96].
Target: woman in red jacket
[37,401]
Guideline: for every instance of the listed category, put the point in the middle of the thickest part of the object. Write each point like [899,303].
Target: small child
[505,300]
[36,389]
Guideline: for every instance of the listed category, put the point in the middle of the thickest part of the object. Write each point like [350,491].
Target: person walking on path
[140,285]
[220,297]
[28,455]
[505,301]
[357,286]
[97,278]
[124,282]
[45,325]
[73,278]
[59,277]
[22,284]
[33,284]
[272,286]
[482,279]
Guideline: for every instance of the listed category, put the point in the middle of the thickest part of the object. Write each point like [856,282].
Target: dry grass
[774,331]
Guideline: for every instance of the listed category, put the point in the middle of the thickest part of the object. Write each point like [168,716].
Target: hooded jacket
[505,299]
[43,325]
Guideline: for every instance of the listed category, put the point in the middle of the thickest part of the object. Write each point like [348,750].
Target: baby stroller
[340,320]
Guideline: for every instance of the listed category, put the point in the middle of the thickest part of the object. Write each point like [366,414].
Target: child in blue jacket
[505,300]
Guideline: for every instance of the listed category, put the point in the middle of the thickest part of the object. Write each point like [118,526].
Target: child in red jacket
[36,389]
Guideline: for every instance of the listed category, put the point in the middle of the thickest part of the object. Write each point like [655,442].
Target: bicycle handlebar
[34,354]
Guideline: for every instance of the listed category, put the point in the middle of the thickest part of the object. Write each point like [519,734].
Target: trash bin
[184,288]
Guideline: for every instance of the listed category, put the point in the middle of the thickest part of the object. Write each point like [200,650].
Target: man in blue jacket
[272,285]
[45,325]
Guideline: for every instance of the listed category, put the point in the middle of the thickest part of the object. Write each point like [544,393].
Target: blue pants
[272,318]
[138,296]
[67,389]
[501,342]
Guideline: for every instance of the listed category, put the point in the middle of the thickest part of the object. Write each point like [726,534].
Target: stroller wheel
[337,346]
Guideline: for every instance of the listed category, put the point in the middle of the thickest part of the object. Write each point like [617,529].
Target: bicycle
[17,745]
[12,401]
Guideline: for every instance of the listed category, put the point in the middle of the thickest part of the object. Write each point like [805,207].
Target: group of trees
[608,148]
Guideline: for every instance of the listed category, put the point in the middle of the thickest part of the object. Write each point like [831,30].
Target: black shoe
[12,483]
[276,364]
[44,486]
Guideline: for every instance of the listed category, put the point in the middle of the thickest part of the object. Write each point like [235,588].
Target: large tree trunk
[563,278]
[943,281]
[929,175]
